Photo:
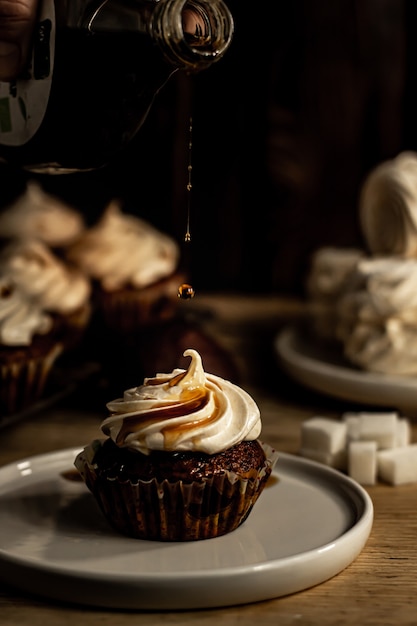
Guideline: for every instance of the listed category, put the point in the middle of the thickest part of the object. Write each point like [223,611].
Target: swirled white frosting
[37,214]
[388,207]
[122,250]
[20,317]
[186,410]
[46,279]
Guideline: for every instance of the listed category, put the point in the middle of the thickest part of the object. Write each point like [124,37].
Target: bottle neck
[192,33]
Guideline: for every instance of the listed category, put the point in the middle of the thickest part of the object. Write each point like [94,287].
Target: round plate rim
[341,381]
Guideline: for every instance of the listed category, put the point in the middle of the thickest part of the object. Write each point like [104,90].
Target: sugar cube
[366,445]
[398,466]
[379,427]
[323,434]
[352,426]
[362,461]
[403,432]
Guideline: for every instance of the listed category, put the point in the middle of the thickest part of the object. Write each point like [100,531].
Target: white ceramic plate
[321,368]
[309,524]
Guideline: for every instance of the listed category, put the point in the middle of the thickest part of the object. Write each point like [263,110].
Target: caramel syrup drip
[186,291]
[187,236]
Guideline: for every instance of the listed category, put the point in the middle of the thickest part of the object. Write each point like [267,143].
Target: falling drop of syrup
[185,291]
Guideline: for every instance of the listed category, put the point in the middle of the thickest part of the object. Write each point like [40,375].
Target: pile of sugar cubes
[368,446]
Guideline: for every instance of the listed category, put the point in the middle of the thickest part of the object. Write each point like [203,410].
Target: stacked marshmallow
[367,299]
[366,445]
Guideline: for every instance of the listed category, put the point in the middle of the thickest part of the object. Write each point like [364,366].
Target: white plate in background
[321,368]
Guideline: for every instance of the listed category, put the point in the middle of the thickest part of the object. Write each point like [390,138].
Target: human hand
[17,19]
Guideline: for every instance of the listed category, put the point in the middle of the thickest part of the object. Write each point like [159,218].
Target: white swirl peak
[55,286]
[38,214]
[123,250]
[20,317]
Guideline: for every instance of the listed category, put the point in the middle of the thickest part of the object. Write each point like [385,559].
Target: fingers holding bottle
[17,20]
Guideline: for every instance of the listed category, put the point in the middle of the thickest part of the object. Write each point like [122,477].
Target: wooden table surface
[378,588]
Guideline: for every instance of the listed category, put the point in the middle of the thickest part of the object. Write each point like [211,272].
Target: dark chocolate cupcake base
[183,506]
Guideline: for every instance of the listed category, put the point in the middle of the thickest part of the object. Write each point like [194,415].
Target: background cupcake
[134,269]
[36,214]
[52,285]
[135,277]
[29,347]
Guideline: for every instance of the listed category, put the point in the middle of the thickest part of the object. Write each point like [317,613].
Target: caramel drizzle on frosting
[134,422]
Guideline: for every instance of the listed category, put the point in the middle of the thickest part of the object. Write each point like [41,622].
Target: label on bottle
[23,102]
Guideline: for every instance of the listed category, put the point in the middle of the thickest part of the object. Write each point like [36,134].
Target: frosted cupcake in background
[182,460]
[29,347]
[133,267]
[38,215]
[52,285]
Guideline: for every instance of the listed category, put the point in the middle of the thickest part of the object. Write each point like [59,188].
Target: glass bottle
[95,70]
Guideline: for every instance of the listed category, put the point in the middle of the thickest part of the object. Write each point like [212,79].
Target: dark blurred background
[311,95]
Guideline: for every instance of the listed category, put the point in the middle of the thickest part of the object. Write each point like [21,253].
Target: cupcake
[29,347]
[36,214]
[58,289]
[181,460]
[133,267]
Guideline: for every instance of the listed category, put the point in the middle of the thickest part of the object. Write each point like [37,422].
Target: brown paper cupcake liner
[24,381]
[75,325]
[176,511]
[128,309]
